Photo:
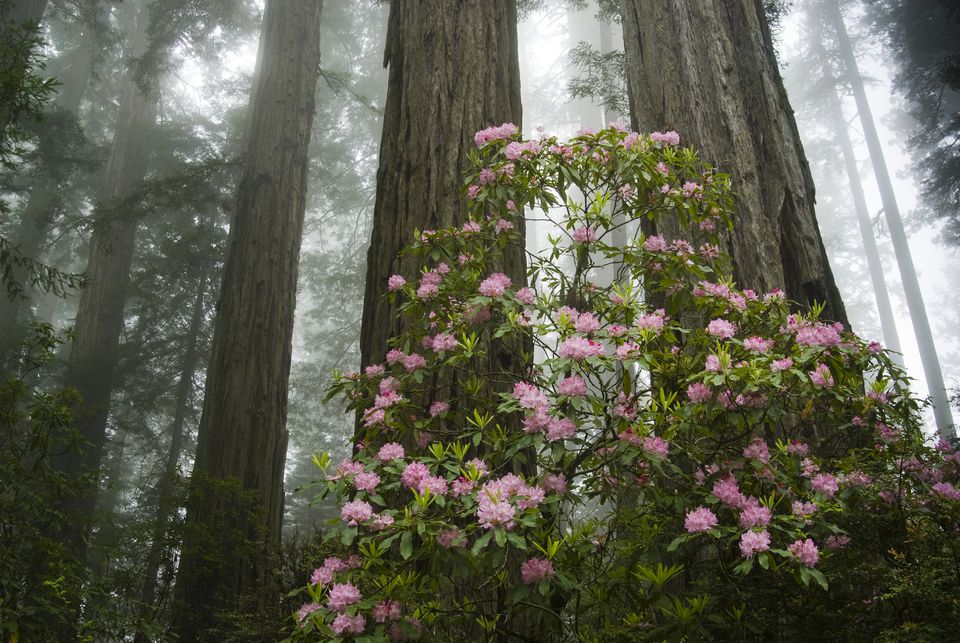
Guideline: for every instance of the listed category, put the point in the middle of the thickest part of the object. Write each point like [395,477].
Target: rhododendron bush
[684,459]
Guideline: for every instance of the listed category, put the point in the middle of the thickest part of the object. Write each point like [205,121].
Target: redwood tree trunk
[707,69]
[236,500]
[93,356]
[453,70]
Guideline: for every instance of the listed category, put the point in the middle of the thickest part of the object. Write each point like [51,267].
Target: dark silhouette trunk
[235,507]
[166,486]
[901,247]
[99,322]
[707,69]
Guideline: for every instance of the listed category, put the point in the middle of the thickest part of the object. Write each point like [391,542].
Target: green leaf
[406,545]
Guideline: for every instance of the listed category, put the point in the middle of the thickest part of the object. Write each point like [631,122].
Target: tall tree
[707,69]
[923,38]
[908,274]
[235,508]
[453,70]
[93,356]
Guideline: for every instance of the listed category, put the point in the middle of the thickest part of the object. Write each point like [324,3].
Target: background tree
[911,286]
[708,71]
[235,508]
[923,40]
[93,355]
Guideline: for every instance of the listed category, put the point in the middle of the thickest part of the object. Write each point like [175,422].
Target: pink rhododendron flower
[395,282]
[818,335]
[436,484]
[554,482]
[493,508]
[797,448]
[700,519]
[691,188]
[366,481]
[579,348]
[754,542]
[821,376]
[344,624]
[306,610]
[627,350]
[495,285]
[837,542]
[413,474]
[728,491]
[825,484]
[754,514]
[373,370]
[572,386]
[462,486]
[526,296]
[390,451]
[722,328]
[651,321]
[584,234]
[560,429]
[655,243]
[386,611]
[438,408]
[535,570]
[381,522]
[757,450]
[713,364]
[946,491]
[699,393]
[529,396]
[341,595]
[779,365]
[356,511]
[666,138]
[500,132]
[414,361]
[586,323]
[805,551]
[656,445]
[758,344]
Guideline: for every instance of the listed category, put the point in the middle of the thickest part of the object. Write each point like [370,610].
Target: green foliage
[38,576]
[703,471]
[41,276]
[23,91]
[601,76]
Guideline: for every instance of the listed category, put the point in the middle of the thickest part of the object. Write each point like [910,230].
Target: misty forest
[479,320]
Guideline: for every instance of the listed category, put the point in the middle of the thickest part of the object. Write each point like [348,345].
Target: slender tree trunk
[165,486]
[93,356]
[707,69]
[901,247]
[17,17]
[453,70]
[235,508]
[888,323]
